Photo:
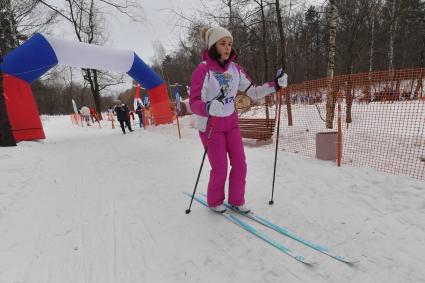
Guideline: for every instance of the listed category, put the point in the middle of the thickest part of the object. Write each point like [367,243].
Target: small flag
[74,105]
[177,98]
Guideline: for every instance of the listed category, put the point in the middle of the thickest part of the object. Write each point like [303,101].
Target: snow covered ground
[92,205]
[389,137]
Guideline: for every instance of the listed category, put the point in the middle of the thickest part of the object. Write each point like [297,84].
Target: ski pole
[220,98]
[202,162]
[277,142]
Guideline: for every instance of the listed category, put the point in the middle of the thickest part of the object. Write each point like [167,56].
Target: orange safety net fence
[383,119]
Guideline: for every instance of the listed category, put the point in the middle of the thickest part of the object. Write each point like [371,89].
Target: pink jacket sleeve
[197,106]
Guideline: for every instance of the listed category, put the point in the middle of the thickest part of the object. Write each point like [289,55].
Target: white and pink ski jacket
[209,79]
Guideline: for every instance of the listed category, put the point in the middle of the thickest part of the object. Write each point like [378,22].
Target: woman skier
[214,86]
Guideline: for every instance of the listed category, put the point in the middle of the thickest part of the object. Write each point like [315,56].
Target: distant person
[85,114]
[110,113]
[147,112]
[139,112]
[93,115]
[123,116]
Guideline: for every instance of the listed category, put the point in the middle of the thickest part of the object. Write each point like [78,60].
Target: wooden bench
[259,129]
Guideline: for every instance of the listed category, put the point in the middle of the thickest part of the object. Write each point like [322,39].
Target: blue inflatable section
[36,56]
[31,60]
[144,75]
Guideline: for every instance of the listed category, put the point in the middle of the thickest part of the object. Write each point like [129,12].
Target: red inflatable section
[160,105]
[22,110]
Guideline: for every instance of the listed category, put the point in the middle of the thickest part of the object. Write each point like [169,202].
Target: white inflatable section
[90,56]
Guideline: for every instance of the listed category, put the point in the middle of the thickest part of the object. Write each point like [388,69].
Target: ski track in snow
[92,205]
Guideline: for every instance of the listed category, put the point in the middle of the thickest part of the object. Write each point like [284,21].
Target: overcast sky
[159,24]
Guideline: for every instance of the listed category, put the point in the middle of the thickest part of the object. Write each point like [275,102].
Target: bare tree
[262,6]
[361,26]
[87,21]
[18,20]
[375,7]
[31,17]
[331,97]
[353,37]
[7,42]
[393,12]
[283,58]
[159,57]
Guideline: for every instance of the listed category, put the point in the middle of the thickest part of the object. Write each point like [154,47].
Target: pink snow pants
[225,140]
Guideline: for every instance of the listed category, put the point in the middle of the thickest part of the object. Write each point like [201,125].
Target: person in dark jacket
[139,112]
[123,116]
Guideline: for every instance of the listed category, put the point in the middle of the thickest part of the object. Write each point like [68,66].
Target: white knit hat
[214,34]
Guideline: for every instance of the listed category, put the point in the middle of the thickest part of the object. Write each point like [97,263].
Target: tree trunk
[419,84]
[90,30]
[6,43]
[391,41]
[264,46]
[92,78]
[375,12]
[393,28]
[229,4]
[318,53]
[422,54]
[8,31]
[349,100]
[6,135]
[331,97]
[264,43]
[283,59]
[372,41]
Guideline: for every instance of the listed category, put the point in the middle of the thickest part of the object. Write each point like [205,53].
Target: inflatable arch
[40,53]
